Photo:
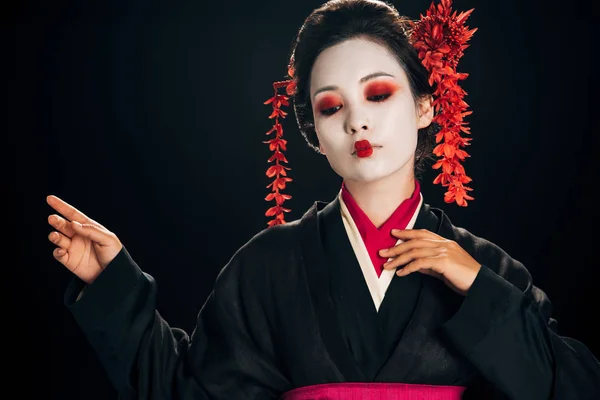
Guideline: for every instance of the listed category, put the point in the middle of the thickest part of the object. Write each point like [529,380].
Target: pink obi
[374,391]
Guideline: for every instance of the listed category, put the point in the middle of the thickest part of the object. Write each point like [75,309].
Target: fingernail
[77,224]
[383,251]
[398,271]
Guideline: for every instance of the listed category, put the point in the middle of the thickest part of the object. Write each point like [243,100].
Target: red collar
[377,239]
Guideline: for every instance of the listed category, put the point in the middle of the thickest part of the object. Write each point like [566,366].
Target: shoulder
[284,239]
[486,253]
[272,241]
[269,248]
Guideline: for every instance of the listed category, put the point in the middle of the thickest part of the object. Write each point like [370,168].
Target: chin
[366,178]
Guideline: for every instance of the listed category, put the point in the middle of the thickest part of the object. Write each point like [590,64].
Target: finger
[412,255]
[67,210]
[408,234]
[60,240]
[420,264]
[94,233]
[431,272]
[409,245]
[62,225]
[61,255]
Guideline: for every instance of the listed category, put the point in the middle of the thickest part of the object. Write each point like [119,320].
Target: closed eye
[379,97]
[331,110]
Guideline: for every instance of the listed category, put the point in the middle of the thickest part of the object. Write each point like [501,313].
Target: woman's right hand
[84,246]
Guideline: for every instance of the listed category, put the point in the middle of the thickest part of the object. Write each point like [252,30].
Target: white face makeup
[359,91]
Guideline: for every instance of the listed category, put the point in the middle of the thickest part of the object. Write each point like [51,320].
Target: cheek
[397,119]
[327,130]
[334,148]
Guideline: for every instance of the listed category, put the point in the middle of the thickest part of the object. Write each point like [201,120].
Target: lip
[374,146]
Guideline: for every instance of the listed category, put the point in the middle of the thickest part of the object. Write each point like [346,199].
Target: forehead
[345,63]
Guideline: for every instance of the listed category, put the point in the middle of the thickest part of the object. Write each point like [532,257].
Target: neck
[379,199]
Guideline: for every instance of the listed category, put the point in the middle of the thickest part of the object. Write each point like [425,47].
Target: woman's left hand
[431,254]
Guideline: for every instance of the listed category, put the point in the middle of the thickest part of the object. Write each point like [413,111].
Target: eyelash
[380,98]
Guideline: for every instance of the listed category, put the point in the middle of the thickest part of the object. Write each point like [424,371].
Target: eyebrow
[362,80]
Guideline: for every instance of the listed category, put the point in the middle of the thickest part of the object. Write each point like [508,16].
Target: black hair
[340,20]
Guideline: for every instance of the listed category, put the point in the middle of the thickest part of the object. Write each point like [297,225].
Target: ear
[321,149]
[424,112]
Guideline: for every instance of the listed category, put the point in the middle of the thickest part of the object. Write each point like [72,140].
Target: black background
[149,117]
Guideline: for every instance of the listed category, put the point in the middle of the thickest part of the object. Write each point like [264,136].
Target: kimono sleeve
[229,355]
[506,329]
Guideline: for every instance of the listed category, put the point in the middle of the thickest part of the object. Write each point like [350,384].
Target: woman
[290,314]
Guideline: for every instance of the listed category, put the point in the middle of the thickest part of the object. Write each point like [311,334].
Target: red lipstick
[363,148]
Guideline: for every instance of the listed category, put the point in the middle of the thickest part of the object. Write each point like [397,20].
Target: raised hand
[84,246]
[431,254]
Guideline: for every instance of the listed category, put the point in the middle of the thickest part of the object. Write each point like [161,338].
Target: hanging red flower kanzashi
[440,37]
[278,145]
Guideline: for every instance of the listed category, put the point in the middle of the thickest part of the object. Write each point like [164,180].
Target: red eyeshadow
[379,88]
[327,101]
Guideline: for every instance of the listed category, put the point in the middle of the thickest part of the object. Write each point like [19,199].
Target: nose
[357,121]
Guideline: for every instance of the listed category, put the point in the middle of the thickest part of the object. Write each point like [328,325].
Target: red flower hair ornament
[440,37]
[278,145]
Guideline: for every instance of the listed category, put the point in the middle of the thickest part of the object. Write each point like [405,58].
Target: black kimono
[291,309]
